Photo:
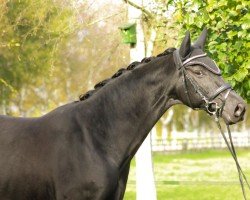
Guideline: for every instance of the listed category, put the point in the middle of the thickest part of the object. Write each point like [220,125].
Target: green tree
[87,53]
[31,33]
[228,23]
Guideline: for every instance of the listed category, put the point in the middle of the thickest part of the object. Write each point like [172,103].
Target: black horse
[83,150]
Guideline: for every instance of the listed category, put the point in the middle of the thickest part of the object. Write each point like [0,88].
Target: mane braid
[133,65]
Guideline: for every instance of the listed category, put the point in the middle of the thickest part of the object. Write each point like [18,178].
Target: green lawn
[204,175]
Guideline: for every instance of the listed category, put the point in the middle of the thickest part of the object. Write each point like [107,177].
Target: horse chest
[85,178]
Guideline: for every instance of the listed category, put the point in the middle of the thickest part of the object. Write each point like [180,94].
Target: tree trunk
[145,184]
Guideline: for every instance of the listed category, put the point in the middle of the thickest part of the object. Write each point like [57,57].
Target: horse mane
[133,65]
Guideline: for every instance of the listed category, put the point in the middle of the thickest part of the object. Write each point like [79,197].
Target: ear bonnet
[203,61]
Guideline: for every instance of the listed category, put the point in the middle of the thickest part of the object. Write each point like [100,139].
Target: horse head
[200,84]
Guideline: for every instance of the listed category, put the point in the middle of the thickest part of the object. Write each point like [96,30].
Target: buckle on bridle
[212,108]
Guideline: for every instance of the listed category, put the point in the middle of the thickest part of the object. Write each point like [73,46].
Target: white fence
[193,141]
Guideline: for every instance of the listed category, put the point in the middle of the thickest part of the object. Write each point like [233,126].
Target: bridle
[209,104]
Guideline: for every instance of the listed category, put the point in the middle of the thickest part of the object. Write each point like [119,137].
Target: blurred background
[51,51]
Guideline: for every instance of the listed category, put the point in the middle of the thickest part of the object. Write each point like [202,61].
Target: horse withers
[83,150]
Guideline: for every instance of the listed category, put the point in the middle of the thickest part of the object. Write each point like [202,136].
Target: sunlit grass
[204,175]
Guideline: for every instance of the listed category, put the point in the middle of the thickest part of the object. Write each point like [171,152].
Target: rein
[231,148]
[211,107]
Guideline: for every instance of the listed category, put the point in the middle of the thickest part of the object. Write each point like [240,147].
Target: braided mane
[133,65]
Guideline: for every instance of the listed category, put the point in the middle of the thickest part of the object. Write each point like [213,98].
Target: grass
[203,175]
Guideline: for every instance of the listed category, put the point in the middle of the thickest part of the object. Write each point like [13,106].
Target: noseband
[210,105]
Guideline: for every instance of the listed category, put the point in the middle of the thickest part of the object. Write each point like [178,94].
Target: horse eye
[198,72]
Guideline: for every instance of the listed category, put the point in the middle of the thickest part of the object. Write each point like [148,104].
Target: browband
[192,58]
[200,59]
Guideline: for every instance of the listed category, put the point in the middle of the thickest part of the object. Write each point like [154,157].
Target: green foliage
[228,23]
[30,36]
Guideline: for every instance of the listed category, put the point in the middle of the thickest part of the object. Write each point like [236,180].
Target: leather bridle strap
[186,86]
[219,90]
[180,66]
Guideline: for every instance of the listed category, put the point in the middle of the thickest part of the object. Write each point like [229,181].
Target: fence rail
[196,143]
[186,182]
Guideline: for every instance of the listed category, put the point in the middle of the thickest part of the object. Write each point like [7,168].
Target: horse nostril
[239,110]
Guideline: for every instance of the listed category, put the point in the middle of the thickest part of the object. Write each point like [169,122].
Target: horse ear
[185,48]
[200,42]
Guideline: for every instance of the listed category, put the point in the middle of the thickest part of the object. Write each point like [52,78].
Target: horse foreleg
[122,182]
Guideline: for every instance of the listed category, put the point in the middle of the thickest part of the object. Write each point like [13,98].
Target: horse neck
[122,113]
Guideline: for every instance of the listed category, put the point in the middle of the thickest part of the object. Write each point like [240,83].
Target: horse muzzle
[234,110]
